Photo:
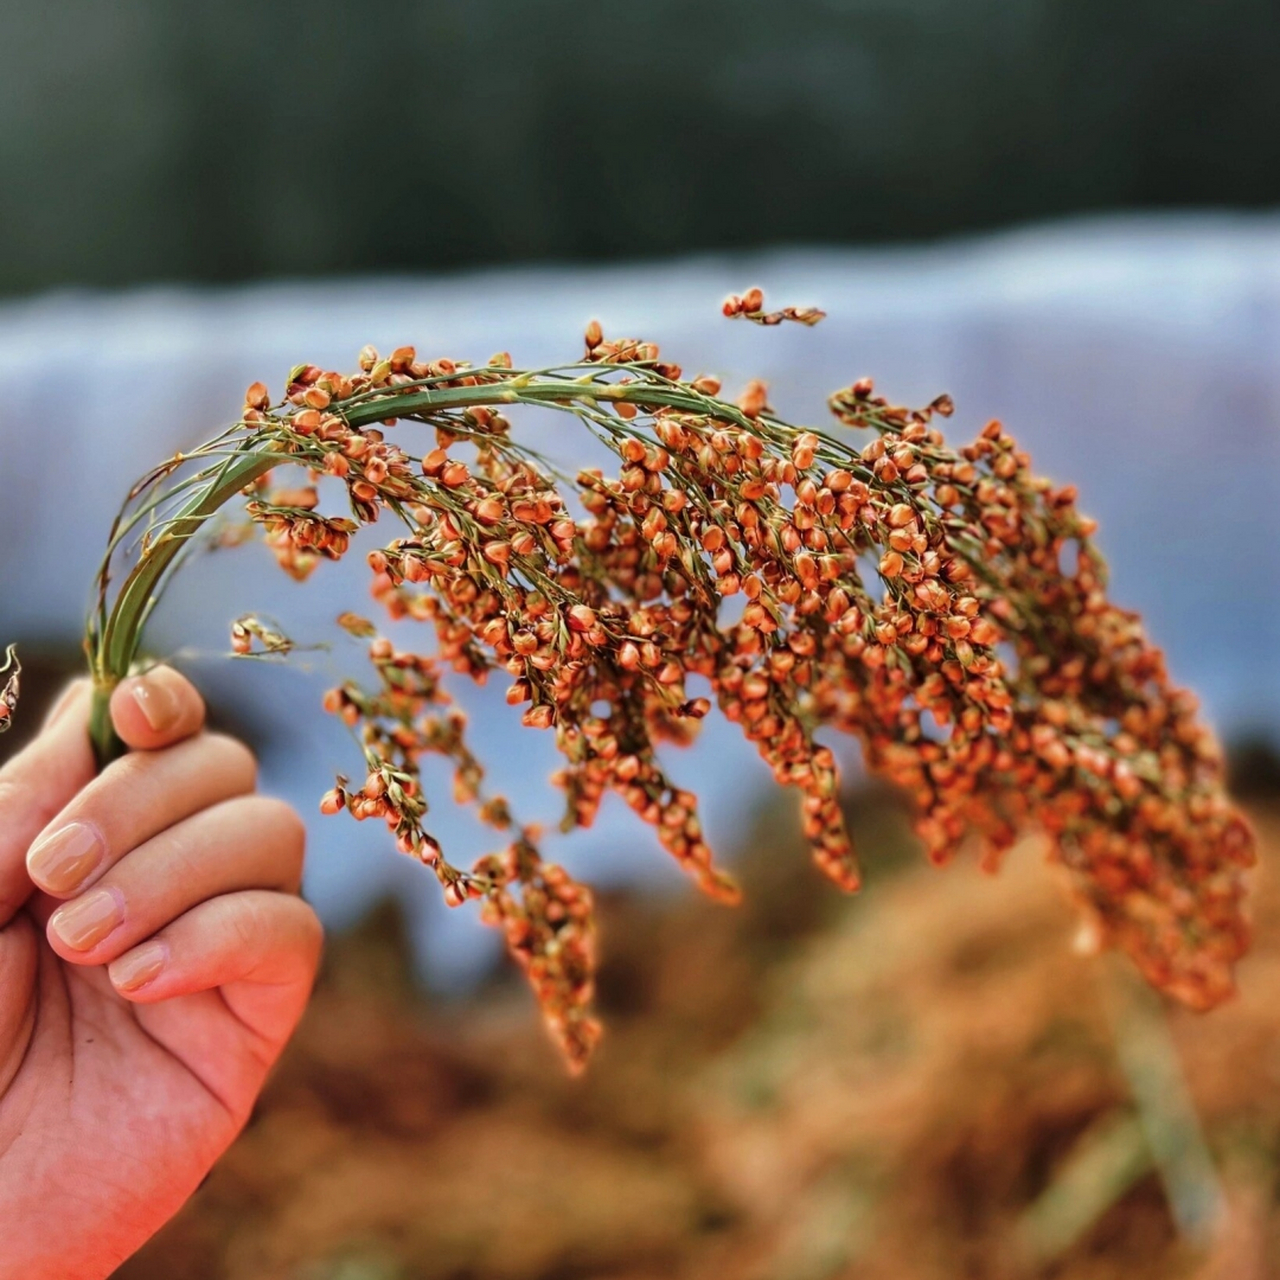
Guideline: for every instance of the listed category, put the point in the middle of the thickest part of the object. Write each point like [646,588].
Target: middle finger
[132,800]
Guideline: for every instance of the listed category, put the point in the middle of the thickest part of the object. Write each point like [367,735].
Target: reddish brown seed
[333,801]
[581,618]
[803,449]
[753,399]
[489,510]
[985,632]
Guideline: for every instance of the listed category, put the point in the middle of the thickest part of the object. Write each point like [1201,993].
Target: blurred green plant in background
[153,139]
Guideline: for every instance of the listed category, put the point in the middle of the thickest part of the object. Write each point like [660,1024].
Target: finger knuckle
[233,754]
[284,825]
[312,934]
[10,792]
[127,772]
[284,816]
[183,854]
[248,924]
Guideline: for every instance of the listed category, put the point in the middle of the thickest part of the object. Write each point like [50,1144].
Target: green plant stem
[1166,1111]
[106,745]
[1105,1164]
[114,650]
[522,390]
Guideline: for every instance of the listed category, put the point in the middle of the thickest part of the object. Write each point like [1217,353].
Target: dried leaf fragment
[9,694]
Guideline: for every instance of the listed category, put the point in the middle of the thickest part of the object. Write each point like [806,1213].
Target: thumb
[36,785]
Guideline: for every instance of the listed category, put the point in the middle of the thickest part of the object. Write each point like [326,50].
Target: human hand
[154,959]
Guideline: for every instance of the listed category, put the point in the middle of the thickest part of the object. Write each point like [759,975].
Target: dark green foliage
[164,139]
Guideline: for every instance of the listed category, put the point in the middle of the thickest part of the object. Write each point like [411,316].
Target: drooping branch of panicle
[948,608]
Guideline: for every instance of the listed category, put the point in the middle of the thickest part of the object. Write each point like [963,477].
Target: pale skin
[153,962]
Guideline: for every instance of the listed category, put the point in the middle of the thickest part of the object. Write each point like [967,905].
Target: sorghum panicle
[991,680]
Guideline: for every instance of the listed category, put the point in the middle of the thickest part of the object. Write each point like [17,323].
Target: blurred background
[1065,214]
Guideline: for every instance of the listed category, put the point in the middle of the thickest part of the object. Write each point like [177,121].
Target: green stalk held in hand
[999,689]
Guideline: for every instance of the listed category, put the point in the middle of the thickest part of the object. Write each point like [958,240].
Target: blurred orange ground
[802,1089]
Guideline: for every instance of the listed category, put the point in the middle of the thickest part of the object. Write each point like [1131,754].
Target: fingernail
[86,921]
[139,967]
[60,862]
[157,700]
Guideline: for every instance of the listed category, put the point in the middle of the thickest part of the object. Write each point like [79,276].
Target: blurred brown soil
[802,1089]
